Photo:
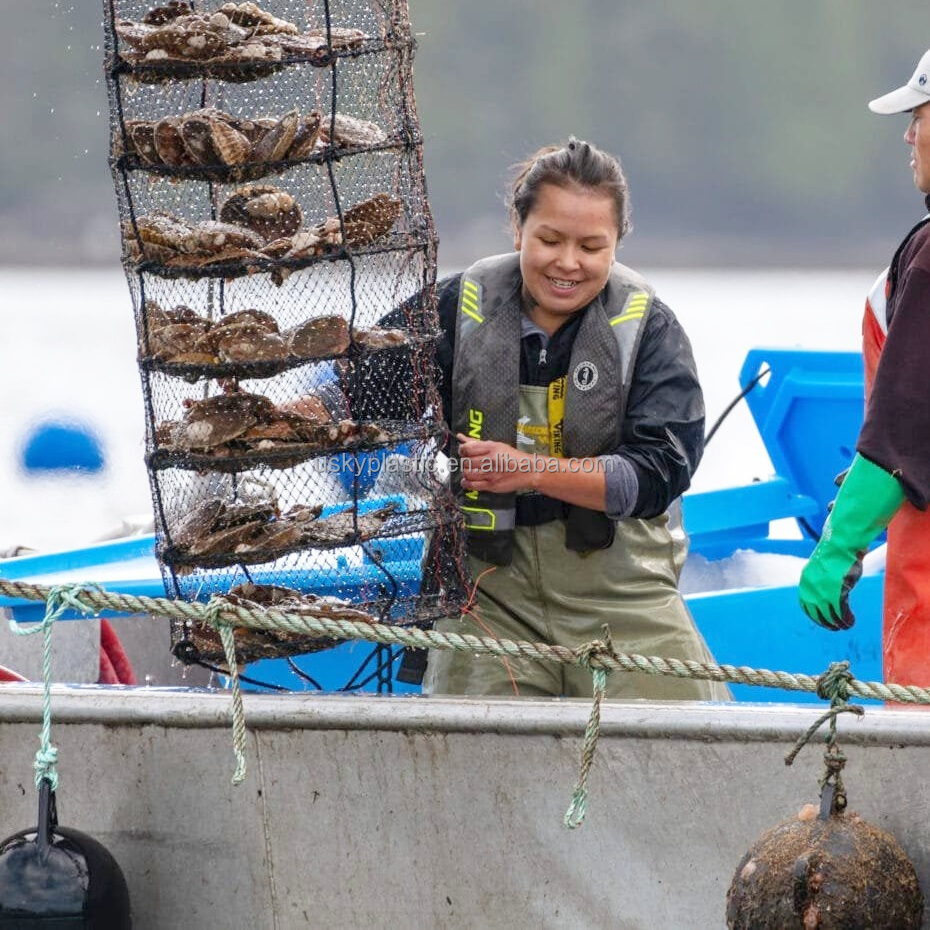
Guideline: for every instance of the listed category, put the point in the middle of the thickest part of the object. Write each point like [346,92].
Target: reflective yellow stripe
[470,300]
[634,308]
[491,518]
[630,315]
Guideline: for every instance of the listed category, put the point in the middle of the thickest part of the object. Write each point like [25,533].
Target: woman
[573,396]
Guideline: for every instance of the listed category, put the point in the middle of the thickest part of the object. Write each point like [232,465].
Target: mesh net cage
[281,258]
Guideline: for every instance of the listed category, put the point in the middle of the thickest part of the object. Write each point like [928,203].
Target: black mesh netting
[280,253]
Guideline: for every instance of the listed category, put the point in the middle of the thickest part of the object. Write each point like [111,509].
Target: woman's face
[566,246]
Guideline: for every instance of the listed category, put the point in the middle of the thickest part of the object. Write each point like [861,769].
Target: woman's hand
[496,467]
[502,469]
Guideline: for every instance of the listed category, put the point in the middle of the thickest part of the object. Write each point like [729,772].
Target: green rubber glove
[867,500]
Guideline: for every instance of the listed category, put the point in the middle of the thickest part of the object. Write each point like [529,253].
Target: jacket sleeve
[379,386]
[663,430]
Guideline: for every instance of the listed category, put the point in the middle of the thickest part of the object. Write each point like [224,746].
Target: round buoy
[53,876]
[827,873]
[62,445]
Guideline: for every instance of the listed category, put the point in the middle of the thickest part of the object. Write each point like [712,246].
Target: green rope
[220,612]
[322,627]
[228,639]
[834,685]
[58,600]
[578,808]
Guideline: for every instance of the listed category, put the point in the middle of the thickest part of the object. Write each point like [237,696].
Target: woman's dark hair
[576,163]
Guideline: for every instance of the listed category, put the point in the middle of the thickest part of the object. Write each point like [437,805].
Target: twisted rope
[57,601]
[834,685]
[578,808]
[92,599]
[228,638]
[598,656]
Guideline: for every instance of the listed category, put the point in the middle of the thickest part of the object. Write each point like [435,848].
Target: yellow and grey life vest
[586,406]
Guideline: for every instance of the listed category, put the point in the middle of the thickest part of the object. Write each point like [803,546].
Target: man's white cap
[914,93]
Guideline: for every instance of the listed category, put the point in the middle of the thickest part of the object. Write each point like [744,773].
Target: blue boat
[360,810]
[807,406]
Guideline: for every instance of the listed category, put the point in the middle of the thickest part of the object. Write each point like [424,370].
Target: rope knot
[45,762]
[587,654]
[213,610]
[834,684]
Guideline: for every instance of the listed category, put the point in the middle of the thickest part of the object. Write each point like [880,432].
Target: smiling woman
[578,420]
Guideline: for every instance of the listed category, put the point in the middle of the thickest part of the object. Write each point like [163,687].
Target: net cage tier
[281,259]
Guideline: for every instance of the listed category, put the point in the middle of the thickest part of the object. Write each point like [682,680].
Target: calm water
[69,350]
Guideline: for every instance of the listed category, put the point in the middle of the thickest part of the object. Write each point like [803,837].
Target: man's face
[918,138]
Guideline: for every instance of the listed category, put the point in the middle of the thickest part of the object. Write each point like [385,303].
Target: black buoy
[56,878]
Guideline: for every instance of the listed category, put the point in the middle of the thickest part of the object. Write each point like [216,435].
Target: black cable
[249,681]
[802,522]
[300,673]
[353,684]
[729,408]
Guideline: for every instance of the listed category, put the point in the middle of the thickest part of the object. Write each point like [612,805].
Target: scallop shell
[160,15]
[370,220]
[253,129]
[169,143]
[288,44]
[259,318]
[209,236]
[232,146]
[306,137]
[134,35]
[351,131]
[341,37]
[169,342]
[162,229]
[274,144]
[196,133]
[251,15]
[268,210]
[320,337]
[141,136]
[249,342]
[277,248]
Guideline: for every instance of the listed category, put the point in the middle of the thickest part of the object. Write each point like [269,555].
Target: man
[888,483]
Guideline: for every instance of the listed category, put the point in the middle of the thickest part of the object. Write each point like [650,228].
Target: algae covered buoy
[53,876]
[826,868]
[831,872]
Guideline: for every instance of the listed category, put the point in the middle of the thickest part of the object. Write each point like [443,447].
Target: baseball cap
[911,95]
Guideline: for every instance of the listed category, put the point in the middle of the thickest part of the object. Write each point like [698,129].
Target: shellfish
[370,220]
[264,208]
[341,130]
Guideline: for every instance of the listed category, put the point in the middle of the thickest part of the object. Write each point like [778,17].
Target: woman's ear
[517,238]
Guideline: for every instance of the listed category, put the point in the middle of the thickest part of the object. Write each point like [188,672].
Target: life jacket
[586,407]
